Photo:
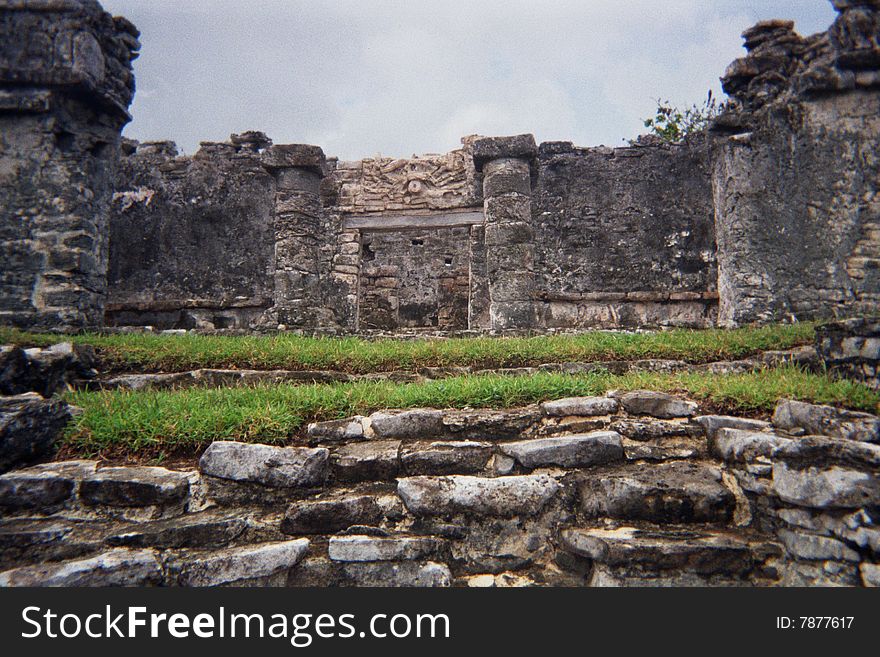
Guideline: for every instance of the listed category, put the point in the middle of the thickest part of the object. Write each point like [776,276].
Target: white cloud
[402,77]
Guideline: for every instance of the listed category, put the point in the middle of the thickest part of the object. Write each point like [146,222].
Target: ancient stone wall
[625,236]
[65,86]
[191,238]
[796,172]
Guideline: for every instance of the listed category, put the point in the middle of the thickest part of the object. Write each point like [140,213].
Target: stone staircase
[630,489]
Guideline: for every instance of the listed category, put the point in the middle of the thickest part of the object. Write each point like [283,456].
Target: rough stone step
[42,488]
[580,406]
[668,556]
[375,548]
[117,567]
[204,529]
[324,572]
[680,492]
[827,421]
[712,423]
[499,496]
[656,404]
[825,473]
[25,541]
[266,564]
[134,486]
[445,457]
[279,467]
[740,446]
[646,429]
[376,460]
[585,450]
[332,515]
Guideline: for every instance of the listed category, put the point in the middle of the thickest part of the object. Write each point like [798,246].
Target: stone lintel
[495,148]
[404,221]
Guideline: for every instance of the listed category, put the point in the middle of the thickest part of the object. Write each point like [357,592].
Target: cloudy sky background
[361,77]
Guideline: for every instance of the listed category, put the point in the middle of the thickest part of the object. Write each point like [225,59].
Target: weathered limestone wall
[796,172]
[65,86]
[625,236]
[192,243]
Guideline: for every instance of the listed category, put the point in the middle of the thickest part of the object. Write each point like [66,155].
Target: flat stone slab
[487,424]
[414,423]
[821,472]
[816,548]
[408,574]
[740,446]
[135,486]
[581,406]
[655,404]
[707,552]
[373,548]
[42,488]
[375,460]
[242,563]
[205,529]
[648,429]
[677,492]
[329,516]
[499,496]
[712,423]
[445,457]
[827,421]
[276,467]
[348,429]
[580,451]
[117,567]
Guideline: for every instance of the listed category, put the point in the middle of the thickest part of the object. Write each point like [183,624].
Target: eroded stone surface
[827,421]
[502,496]
[578,451]
[826,473]
[241,564]
[444,457]
[369,461]
[330,516]
[655,404]
[276,467]
[372,548]
[669,492]
[584,406]
[134,486]
[118,567]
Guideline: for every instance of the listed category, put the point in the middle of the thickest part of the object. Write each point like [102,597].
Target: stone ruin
[773,215]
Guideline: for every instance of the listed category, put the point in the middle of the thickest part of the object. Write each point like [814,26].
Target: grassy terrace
[169,353]
[157,424]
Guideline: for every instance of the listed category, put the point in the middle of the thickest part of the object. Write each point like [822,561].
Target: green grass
[167,353]
[150,423]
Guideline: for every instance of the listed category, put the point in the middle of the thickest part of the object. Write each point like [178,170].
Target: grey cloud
[398,77]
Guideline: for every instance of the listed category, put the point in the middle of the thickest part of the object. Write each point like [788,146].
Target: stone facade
[796,172]
[756,221]
[65,87]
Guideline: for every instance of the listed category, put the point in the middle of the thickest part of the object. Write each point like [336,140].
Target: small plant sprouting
[673,125]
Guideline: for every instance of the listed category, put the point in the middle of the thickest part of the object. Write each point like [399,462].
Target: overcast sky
[361,77]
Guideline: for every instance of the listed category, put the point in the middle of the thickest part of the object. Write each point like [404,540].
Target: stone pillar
[298,170]
[65,86]
[506,164]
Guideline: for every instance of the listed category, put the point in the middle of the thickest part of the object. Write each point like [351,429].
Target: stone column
[65,86]
[506,164]
[298,170]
